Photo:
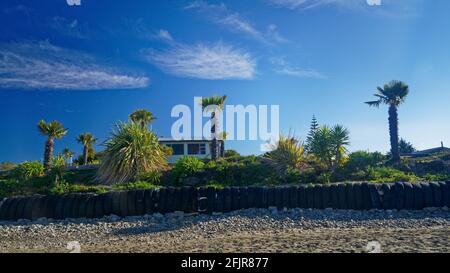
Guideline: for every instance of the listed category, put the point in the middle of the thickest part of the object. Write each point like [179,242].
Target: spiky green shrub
[130,151]
[187,166]
[28,169]
[288,152]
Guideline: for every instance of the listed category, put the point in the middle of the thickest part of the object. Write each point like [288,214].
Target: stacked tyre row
[356,196]
[124,203]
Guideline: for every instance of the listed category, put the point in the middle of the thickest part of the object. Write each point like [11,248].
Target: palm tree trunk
[85,155]
[48,153]
[337,159]
[214,137]
[393,132]
[222,148]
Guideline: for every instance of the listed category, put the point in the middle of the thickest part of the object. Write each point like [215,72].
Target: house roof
[432,151]
[184,140]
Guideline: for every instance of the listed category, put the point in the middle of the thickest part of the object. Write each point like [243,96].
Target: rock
[112,218]
[23,221]
[41,220]
[273,210]
[158,215]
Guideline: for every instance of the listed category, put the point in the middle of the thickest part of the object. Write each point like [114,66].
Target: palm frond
[392,93]
[375,103]
[86,139]
[215,100]
[53,129]
[142,117]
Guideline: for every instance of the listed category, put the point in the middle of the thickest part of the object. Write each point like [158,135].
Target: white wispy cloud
[282,67]
[299,72]
[306,4]
[163,35]
[273,34]
[66,27]
[386,8]
[221,15]
[42,65]
[201,61]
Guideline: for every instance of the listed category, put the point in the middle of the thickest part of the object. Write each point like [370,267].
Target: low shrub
[187,166]
[27,170]
[231,153]
[7,166]
[8,187]
[241,171]
[436,177]
[214,184]
[362,160]
[151,177]
[64,187]
[305,176]
[139,185]
[388,174]
[85,177]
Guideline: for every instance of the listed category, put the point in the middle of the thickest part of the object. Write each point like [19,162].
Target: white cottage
[200,148]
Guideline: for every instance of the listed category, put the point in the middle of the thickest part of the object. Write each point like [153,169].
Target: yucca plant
[130,152]
[67,154]
[288,152]
[329,145]
[57,169]
[340,139]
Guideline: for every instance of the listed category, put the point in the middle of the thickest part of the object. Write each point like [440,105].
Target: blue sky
[89,66]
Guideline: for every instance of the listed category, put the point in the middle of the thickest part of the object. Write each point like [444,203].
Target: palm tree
[87,139]
[219,103]
[340,138]
[142,117]
[392,94]
[67,154]
[53,130]
[320,145]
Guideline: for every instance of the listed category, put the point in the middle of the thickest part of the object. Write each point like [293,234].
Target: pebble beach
[251,230]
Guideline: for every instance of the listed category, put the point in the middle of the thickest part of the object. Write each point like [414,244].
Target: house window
[178,149]
[197,149]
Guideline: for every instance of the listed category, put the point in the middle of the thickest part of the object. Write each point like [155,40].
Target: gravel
[252,230]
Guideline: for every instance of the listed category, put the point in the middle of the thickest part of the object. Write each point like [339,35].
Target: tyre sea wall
[355,196]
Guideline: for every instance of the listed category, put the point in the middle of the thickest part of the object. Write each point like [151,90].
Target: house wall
[173,158]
